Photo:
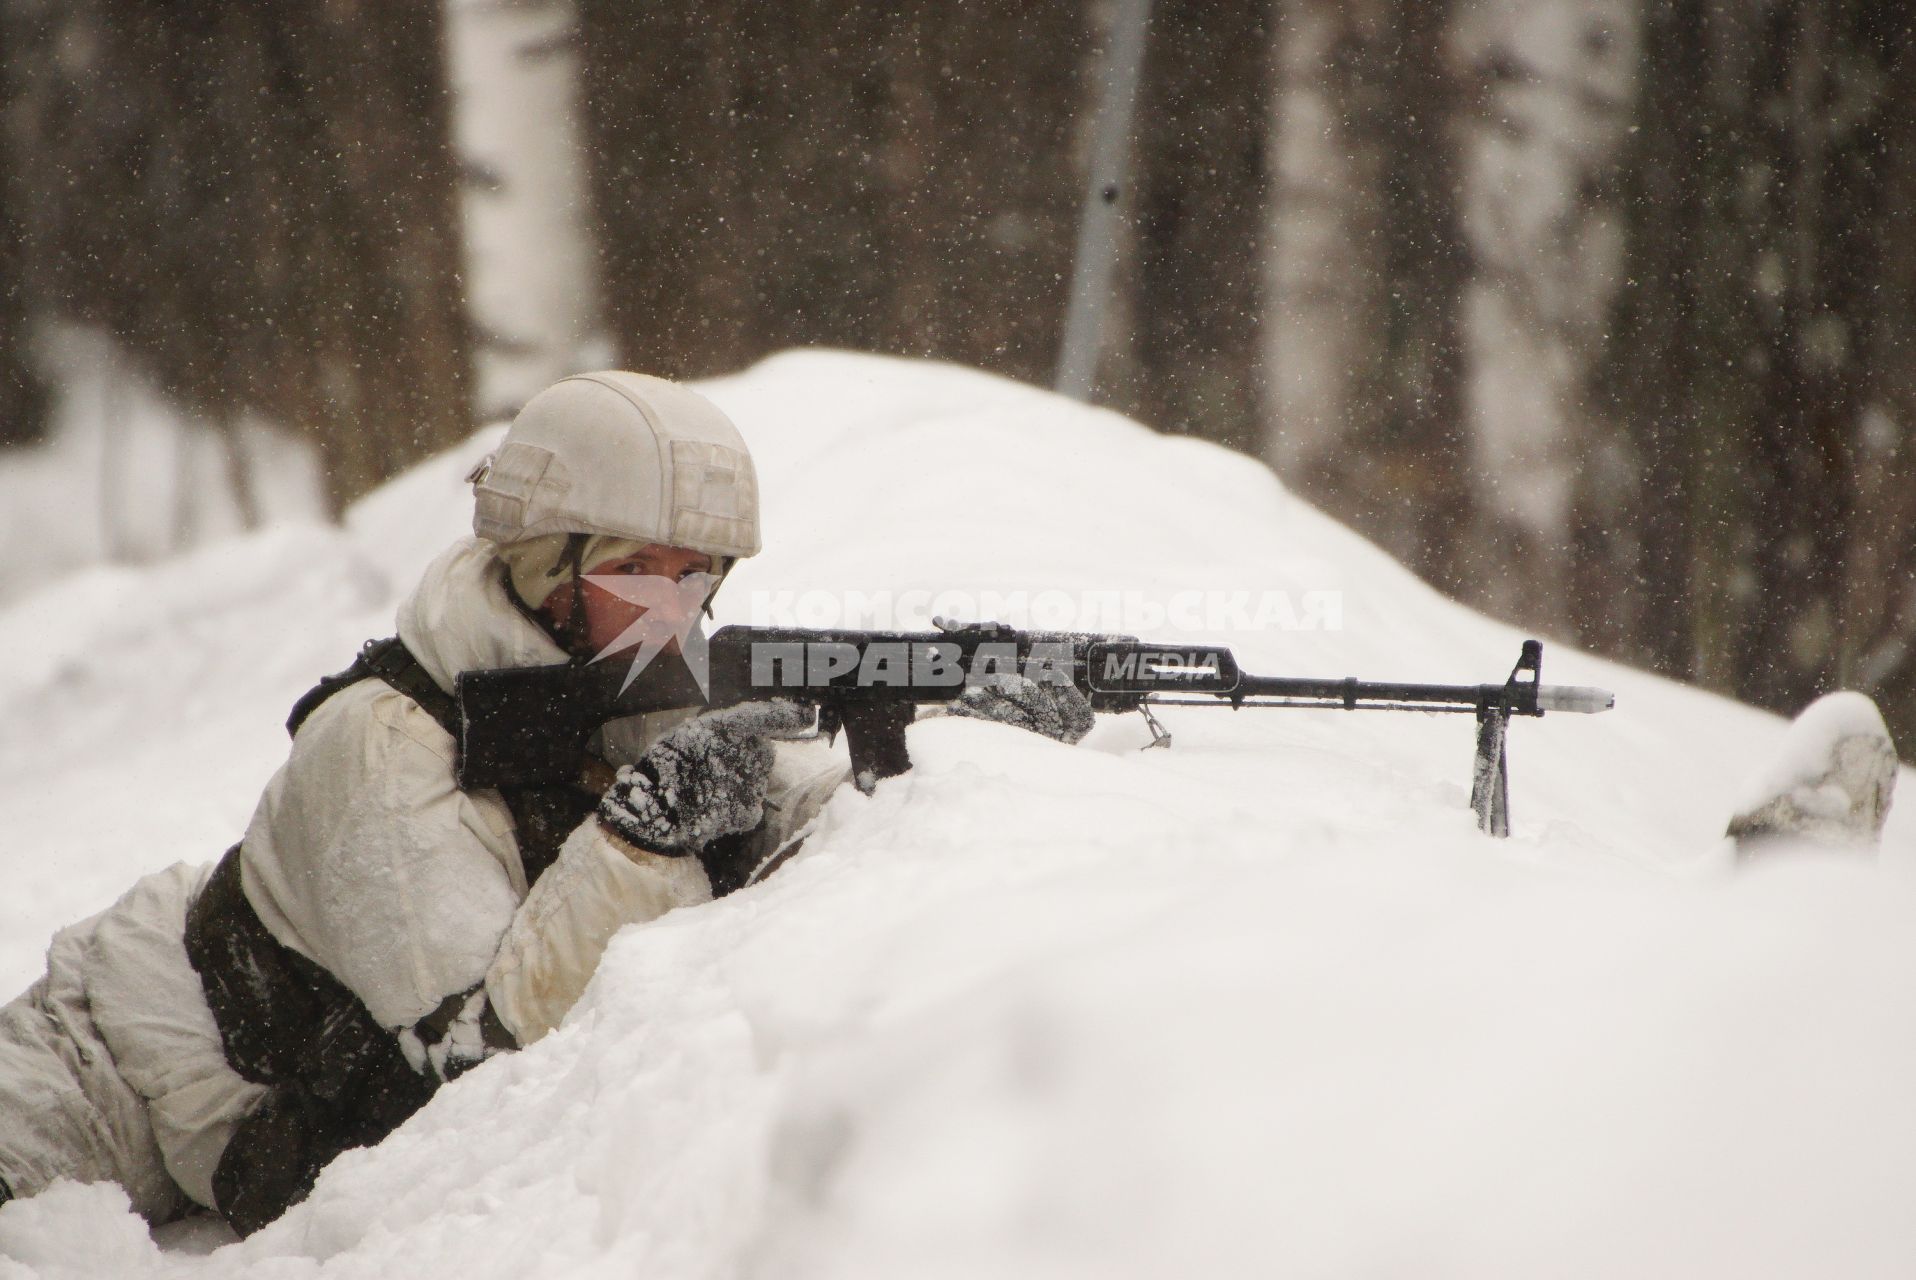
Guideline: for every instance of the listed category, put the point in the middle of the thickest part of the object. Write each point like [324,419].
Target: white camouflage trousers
[111,1068]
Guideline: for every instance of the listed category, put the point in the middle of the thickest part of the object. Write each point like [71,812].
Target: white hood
[459,618]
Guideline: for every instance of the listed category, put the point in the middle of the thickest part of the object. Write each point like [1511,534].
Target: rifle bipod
[1490,771]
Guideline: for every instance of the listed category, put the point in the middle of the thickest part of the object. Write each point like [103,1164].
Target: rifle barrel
[1326,704]
[1366,694]
[1523,698]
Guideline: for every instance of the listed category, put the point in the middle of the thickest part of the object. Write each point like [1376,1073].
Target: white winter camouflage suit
[364,857]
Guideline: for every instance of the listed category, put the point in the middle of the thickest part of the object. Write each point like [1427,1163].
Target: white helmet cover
[625,455]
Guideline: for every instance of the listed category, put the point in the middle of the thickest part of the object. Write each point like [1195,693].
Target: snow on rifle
[522,726]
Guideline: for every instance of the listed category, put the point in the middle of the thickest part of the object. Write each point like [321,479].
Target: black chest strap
[543,815]
[389,660]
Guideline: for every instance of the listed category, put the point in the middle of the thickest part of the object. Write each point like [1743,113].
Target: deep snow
[1265,1003]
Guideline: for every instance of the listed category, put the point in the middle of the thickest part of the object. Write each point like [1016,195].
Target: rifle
[528,725]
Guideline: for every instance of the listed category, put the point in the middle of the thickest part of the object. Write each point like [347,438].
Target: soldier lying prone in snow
[218,1035]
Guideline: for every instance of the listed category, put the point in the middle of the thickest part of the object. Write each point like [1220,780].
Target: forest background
[1600,314]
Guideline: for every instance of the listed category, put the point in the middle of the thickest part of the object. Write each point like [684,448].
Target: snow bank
[1264,1003]
[1804,756]
[1830,783]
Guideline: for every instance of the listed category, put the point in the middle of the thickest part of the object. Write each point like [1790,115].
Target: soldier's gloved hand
[1056,710]
[702,781]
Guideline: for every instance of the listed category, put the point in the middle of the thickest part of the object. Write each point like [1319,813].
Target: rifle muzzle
[1581,698]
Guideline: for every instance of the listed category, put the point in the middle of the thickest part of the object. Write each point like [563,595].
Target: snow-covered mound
[1261,1004]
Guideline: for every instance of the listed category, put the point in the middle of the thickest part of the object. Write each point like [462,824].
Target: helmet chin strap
[724,564]
[572,635]
[576,637]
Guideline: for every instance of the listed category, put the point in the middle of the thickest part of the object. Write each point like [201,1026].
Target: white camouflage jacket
[365,857]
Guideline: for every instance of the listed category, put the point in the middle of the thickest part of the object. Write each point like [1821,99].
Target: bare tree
[1366,270]
[1652,368]
[1879,617]
[531,267]
[1196,289]
[258,201]
[23,398]
[896,179]
[1761,351]
[1550,90]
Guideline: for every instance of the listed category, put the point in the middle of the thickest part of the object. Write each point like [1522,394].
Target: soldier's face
[657,572]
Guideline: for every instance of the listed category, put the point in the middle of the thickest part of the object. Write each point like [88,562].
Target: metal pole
[1106,194]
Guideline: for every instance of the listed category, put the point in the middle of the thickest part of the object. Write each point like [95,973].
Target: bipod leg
[1490,775]
[1160,736]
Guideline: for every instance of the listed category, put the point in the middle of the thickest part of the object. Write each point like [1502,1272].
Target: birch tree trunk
[1364,276]
[1552,89]
[531,267]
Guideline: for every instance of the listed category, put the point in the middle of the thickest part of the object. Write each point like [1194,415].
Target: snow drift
[1264,1003]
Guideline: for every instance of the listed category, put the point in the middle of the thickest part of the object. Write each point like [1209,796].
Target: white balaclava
[539,566]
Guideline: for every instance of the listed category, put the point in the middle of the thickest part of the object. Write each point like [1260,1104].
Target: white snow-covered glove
[702,781]
[1057,711]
